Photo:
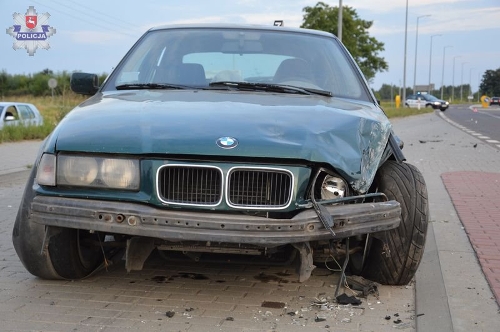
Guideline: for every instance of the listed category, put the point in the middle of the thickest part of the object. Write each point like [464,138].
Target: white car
[13,113]
[426,100]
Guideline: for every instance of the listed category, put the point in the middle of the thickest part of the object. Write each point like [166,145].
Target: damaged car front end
[225,140]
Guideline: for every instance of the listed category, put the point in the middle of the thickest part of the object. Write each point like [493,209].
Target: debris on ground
[346,299]
[402,326]
[274,305]
[430,141]
[360,284]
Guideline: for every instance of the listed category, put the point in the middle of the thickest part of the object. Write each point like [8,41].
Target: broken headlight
[333,187]
[329,186]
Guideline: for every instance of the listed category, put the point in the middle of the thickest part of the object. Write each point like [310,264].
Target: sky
[93,35]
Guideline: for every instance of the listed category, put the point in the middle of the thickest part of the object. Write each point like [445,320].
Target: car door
[27,115]
[411,101]
[10,116]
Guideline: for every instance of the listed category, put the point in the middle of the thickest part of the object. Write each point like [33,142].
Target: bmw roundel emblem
[227,142]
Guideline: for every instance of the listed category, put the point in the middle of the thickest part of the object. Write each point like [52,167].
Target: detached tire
[74,253]
[395,255]
[28,237]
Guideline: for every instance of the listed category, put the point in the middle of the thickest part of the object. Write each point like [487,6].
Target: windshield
[198,57]
[431,98]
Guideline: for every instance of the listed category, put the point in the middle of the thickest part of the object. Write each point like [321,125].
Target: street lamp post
[453,82]
[470,82]
[462,82]
[404,61]
[478,84]
[339,23]
[430,65]
[416,47]
[442,75]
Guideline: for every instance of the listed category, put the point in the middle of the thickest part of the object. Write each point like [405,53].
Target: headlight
[98,172]
[77,171]
[437,103]
[120,173]
[333,187]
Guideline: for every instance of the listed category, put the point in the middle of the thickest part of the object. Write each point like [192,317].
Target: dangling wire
[106,262]
[340,269]
[342,279]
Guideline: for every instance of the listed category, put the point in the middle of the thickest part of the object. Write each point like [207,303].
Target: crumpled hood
[351,136]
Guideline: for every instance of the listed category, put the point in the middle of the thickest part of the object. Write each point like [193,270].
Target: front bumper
[177,225]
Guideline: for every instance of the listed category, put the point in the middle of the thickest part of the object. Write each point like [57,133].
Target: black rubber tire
[62,260]
[394,260]
[28,237]
[74,254]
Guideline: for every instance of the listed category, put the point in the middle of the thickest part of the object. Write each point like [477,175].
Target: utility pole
[339,23]
[403,100]
[415,66]
[470,82]
[442,75]
[462,82]
[453,82]
[430,65]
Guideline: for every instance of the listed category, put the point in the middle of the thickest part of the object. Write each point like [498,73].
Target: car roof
[242,26]
[6,103]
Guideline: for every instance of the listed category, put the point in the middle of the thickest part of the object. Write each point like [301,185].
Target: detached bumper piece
[174,225]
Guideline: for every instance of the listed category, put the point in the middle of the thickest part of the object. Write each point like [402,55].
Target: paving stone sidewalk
[476,197]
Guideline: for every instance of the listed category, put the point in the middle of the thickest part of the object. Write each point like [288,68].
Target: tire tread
[404,183]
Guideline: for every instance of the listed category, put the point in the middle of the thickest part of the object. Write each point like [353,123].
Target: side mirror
[10,118]
[84,83]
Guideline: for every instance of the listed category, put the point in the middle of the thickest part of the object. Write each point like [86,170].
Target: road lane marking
[470,132]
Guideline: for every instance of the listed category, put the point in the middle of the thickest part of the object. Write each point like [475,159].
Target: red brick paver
[476,197]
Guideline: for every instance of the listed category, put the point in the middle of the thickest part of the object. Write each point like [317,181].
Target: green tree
[355,36]
[490,84]
[388,92]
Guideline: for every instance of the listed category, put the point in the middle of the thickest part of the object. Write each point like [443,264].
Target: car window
[26,112]
[11,111]
[219,66]
[195,57]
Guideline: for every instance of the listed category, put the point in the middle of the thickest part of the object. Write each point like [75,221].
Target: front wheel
[75,253]
[71,254]
[395,255]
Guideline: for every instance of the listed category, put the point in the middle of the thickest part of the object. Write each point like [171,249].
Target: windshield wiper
[281,88]
[137,86]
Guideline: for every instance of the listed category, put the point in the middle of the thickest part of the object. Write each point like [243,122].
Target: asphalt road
[485,122]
